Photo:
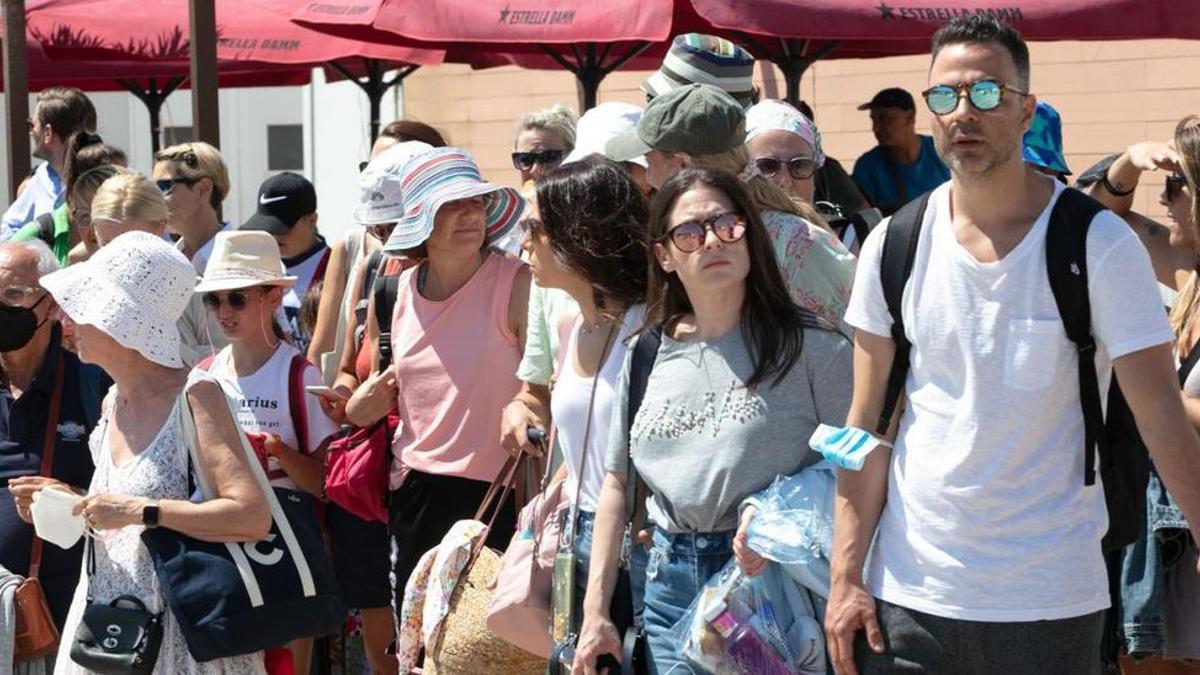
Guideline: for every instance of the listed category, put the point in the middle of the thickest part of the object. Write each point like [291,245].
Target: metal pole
[206,124]
[16,93]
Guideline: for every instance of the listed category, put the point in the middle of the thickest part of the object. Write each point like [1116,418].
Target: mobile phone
[327,392]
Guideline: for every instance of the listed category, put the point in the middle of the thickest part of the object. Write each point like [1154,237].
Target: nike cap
[283,199]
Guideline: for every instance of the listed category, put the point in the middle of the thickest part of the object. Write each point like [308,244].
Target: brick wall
[1110,94]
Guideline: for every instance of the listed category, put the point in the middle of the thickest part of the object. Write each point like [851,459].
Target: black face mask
[18,324]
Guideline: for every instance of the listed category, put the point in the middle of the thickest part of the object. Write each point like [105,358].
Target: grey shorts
[921,643]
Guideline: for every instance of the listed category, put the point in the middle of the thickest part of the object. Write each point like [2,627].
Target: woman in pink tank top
[457,334]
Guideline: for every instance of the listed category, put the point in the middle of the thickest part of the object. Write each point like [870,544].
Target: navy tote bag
[241,597]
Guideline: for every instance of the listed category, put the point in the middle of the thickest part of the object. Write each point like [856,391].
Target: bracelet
[1112,189]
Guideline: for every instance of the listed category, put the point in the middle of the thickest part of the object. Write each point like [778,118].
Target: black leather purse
[120,638]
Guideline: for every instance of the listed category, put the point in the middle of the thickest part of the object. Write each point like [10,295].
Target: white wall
[336,139]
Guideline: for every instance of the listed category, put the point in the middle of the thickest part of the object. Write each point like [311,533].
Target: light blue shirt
[43,194]
[876,174]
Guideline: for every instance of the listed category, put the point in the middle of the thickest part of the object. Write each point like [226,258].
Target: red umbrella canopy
[872,27]
[588,38]
[255,31]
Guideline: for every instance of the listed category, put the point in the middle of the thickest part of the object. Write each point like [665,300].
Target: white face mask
[52,518]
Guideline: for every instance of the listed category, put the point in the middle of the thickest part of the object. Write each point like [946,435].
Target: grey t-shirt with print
[703,442]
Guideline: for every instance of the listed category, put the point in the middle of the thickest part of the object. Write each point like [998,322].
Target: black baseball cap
[893,97]
[283,199]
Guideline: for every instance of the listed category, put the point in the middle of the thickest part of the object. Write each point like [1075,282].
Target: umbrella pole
[203,47]
[16,90]
[153,98]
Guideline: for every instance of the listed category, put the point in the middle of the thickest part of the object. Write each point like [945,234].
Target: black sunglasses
[799,168]
[236,299]
[689,236]
[524,161]
[166,185]
[1174,186]
[984,95]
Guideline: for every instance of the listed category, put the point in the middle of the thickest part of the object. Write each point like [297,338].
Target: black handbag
[120,638]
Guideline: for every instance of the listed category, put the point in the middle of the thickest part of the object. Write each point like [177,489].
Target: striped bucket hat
[442,175]
[695,58]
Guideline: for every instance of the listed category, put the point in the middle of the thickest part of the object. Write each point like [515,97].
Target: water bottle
[748,651]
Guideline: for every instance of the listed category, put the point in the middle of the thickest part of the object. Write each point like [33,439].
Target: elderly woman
[457,332]
[784,146]
[124,303]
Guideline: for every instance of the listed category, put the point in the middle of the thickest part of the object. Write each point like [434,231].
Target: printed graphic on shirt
[737,405]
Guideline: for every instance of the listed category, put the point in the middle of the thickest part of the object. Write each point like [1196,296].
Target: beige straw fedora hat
[241,259]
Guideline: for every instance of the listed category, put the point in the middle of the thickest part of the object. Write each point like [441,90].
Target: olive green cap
[698,119]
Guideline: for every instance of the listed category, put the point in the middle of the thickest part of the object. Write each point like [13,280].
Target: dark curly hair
[595,218]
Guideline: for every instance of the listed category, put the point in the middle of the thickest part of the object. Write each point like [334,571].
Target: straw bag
[467,647]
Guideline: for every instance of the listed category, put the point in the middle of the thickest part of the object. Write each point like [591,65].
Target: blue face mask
[847,447]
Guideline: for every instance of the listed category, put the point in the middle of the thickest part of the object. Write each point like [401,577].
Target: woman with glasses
[195,181]
[242,289]
[742,378]
[1160,589]
[544,138]
[785,147]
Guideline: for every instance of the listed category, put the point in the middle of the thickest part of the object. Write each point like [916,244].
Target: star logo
[504,14]
[886,12]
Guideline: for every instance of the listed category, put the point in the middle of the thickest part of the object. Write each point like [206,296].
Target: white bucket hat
[242,259]
[600,125]
[134,289]
[380,199]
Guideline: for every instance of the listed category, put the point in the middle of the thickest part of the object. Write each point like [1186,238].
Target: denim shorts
[679,566]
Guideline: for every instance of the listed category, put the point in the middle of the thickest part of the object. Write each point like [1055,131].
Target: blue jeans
[1144,568]
[679,566]
[583,557]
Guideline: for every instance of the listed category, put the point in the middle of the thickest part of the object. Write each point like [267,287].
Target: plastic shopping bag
[763,625]
[793,525]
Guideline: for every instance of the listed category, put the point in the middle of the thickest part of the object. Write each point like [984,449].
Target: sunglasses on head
[984,95]
[235,299]
[1174,186]
[186,156]
[166,185]
[799,168]
[524,161]
[689,235]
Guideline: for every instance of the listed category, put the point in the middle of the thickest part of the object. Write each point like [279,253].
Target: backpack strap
[645,351]
[1066,267]
[45,230]
[206,363]
[385,289]
[1189,364]
[899,251]
[319,273]
[296,405]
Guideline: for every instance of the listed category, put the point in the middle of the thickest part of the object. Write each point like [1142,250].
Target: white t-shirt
[200,259]
[987,515]
[264,406]
[569,407]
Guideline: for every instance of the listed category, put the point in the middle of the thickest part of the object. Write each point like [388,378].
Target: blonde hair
[557,118]
[768,196]
[129,196]
[199,160]
[1187,144]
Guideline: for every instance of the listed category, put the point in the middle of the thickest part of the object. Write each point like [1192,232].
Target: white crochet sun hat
[134,289]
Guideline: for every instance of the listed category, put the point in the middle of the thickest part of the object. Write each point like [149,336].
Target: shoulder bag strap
[319,273]
[895,267]
[35,555]
[296,405]
[566,535]
[1189,364]
[1066,267]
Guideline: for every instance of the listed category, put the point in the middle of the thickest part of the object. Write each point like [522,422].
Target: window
[285,147]
[176,135]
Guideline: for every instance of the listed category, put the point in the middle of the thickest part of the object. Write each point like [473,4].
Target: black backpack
[1124,462]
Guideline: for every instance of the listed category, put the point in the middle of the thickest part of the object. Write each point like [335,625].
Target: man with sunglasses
[59,113]
[904,164]
[985,535]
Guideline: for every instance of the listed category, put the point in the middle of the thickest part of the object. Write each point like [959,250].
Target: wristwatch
[150,514]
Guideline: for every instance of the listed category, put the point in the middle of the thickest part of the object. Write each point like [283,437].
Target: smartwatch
[150,514]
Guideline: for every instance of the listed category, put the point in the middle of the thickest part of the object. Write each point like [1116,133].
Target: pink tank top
[456,363]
